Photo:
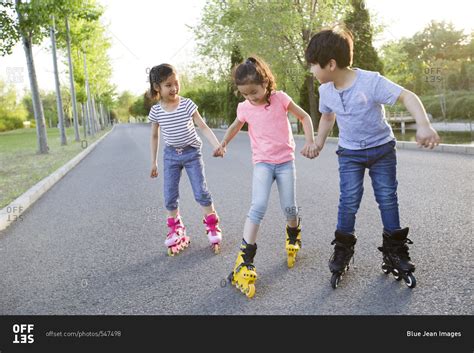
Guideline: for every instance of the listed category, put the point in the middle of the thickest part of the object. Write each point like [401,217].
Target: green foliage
[12,112]
[459,105]
[358,22]
[141,107]
[211,104]
[124,102]
[435,59]
[280,38]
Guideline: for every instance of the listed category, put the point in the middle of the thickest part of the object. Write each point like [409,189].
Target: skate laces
[212,224]
[176,227]
[293,235]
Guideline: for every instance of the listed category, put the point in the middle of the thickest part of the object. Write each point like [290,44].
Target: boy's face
[323,75]
[255,94]
[169,89]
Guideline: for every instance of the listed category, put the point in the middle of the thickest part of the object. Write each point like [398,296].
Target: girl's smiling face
[254,93]
[169,88]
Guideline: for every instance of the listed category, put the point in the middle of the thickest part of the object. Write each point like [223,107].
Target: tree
[463,77]
[73,9]
[232,99]
[280,39]
[358,22]
[30,25]
[125,101]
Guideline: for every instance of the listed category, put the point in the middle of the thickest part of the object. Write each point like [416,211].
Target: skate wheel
[216,248]
[170,252]
[385,268]
[250,292]
[410,281]
[396,274]
[336,277]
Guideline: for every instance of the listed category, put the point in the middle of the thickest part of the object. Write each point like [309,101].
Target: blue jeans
[382,164]
[263,176]
[174,160]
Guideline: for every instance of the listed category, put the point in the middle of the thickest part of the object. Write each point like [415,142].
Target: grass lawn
[21,167]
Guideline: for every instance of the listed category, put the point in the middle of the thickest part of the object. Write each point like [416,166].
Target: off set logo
[23,333]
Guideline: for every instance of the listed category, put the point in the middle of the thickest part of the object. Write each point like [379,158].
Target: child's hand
[154,171]
[427,137]
[310,150]
[220,151]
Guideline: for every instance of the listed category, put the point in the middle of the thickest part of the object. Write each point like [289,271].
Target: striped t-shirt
[177,127]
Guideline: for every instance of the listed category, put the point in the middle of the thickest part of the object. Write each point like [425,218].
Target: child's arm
[233,129]
[426,136]
[199,121]
[155,143]
[310,150]
[326,123]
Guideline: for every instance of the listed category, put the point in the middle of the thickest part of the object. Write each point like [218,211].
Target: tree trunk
[41,135]
[59,100]
[90,111]
[71,79]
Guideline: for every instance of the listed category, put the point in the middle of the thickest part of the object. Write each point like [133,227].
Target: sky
[145,33]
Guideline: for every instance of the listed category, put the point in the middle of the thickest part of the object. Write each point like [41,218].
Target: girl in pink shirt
[265,110]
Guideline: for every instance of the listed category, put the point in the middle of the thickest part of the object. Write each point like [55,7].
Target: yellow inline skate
[293,243]
[244,274]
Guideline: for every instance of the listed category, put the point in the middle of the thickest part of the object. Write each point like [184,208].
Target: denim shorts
[174,160]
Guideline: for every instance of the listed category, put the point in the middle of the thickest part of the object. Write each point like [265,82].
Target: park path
[94,243]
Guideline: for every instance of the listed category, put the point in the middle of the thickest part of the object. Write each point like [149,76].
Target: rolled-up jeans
[264,174]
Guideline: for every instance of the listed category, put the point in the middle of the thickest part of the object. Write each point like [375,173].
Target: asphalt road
[94,243]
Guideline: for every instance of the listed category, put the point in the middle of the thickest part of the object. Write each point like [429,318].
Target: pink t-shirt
[270,132]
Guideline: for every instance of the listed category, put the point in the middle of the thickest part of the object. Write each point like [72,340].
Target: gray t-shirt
[359,109]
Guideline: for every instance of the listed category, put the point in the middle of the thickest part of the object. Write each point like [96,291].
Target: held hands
[427,137]
[310,150]
[154,171]
[220,150]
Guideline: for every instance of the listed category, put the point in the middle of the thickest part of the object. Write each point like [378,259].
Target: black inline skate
[343,252]
[396,259]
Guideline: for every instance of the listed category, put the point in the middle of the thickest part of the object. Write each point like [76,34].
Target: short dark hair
[330,44]
[159,74]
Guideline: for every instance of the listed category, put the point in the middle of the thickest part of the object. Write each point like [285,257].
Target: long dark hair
[254,71]
[157,75]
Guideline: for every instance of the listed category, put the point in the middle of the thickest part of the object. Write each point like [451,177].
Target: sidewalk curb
[12,212]
[407,145]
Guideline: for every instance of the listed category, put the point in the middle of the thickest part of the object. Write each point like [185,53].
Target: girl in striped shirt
[175,116]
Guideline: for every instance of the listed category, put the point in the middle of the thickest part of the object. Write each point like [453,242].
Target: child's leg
[286,182]
[383,173]
[172,169]
[194,165]
[263,176]
[250,231]
[351,184]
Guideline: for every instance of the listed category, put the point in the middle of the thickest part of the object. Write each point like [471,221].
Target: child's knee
[257,212]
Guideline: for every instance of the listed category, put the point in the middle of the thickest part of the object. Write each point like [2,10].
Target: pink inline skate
[176,240]
[213,231]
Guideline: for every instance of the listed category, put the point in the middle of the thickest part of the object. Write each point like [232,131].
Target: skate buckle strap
[249,266]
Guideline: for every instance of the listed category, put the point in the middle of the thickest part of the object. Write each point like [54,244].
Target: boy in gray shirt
[355,98]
